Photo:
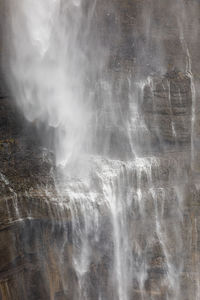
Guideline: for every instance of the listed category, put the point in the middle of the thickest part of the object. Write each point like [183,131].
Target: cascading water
[126,204]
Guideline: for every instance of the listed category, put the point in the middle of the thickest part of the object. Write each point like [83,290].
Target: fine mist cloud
[58,57]
[54,54]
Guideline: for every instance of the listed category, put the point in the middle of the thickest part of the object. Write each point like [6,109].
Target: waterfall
[120,137]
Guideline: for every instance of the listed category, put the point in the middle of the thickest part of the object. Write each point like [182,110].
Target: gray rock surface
[35,231]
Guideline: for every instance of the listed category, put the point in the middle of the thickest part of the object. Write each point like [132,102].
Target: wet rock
[36,240]
[167,108]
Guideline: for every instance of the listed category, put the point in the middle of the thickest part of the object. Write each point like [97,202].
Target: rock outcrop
[36,244]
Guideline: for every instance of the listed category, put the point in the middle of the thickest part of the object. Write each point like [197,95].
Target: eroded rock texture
[36,244]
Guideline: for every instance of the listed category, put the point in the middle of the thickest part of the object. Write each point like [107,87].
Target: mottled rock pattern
[167,108]
[35,232]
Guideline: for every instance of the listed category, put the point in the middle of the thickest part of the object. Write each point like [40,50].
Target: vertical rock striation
[36,228]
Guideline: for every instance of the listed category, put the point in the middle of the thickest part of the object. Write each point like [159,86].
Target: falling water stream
[126,203]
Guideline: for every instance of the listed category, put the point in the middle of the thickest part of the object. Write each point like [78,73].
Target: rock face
[24,166]
[35,231]
[36,245]
[167,108]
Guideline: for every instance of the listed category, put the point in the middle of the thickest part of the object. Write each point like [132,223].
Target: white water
[50,59]
[122,207]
